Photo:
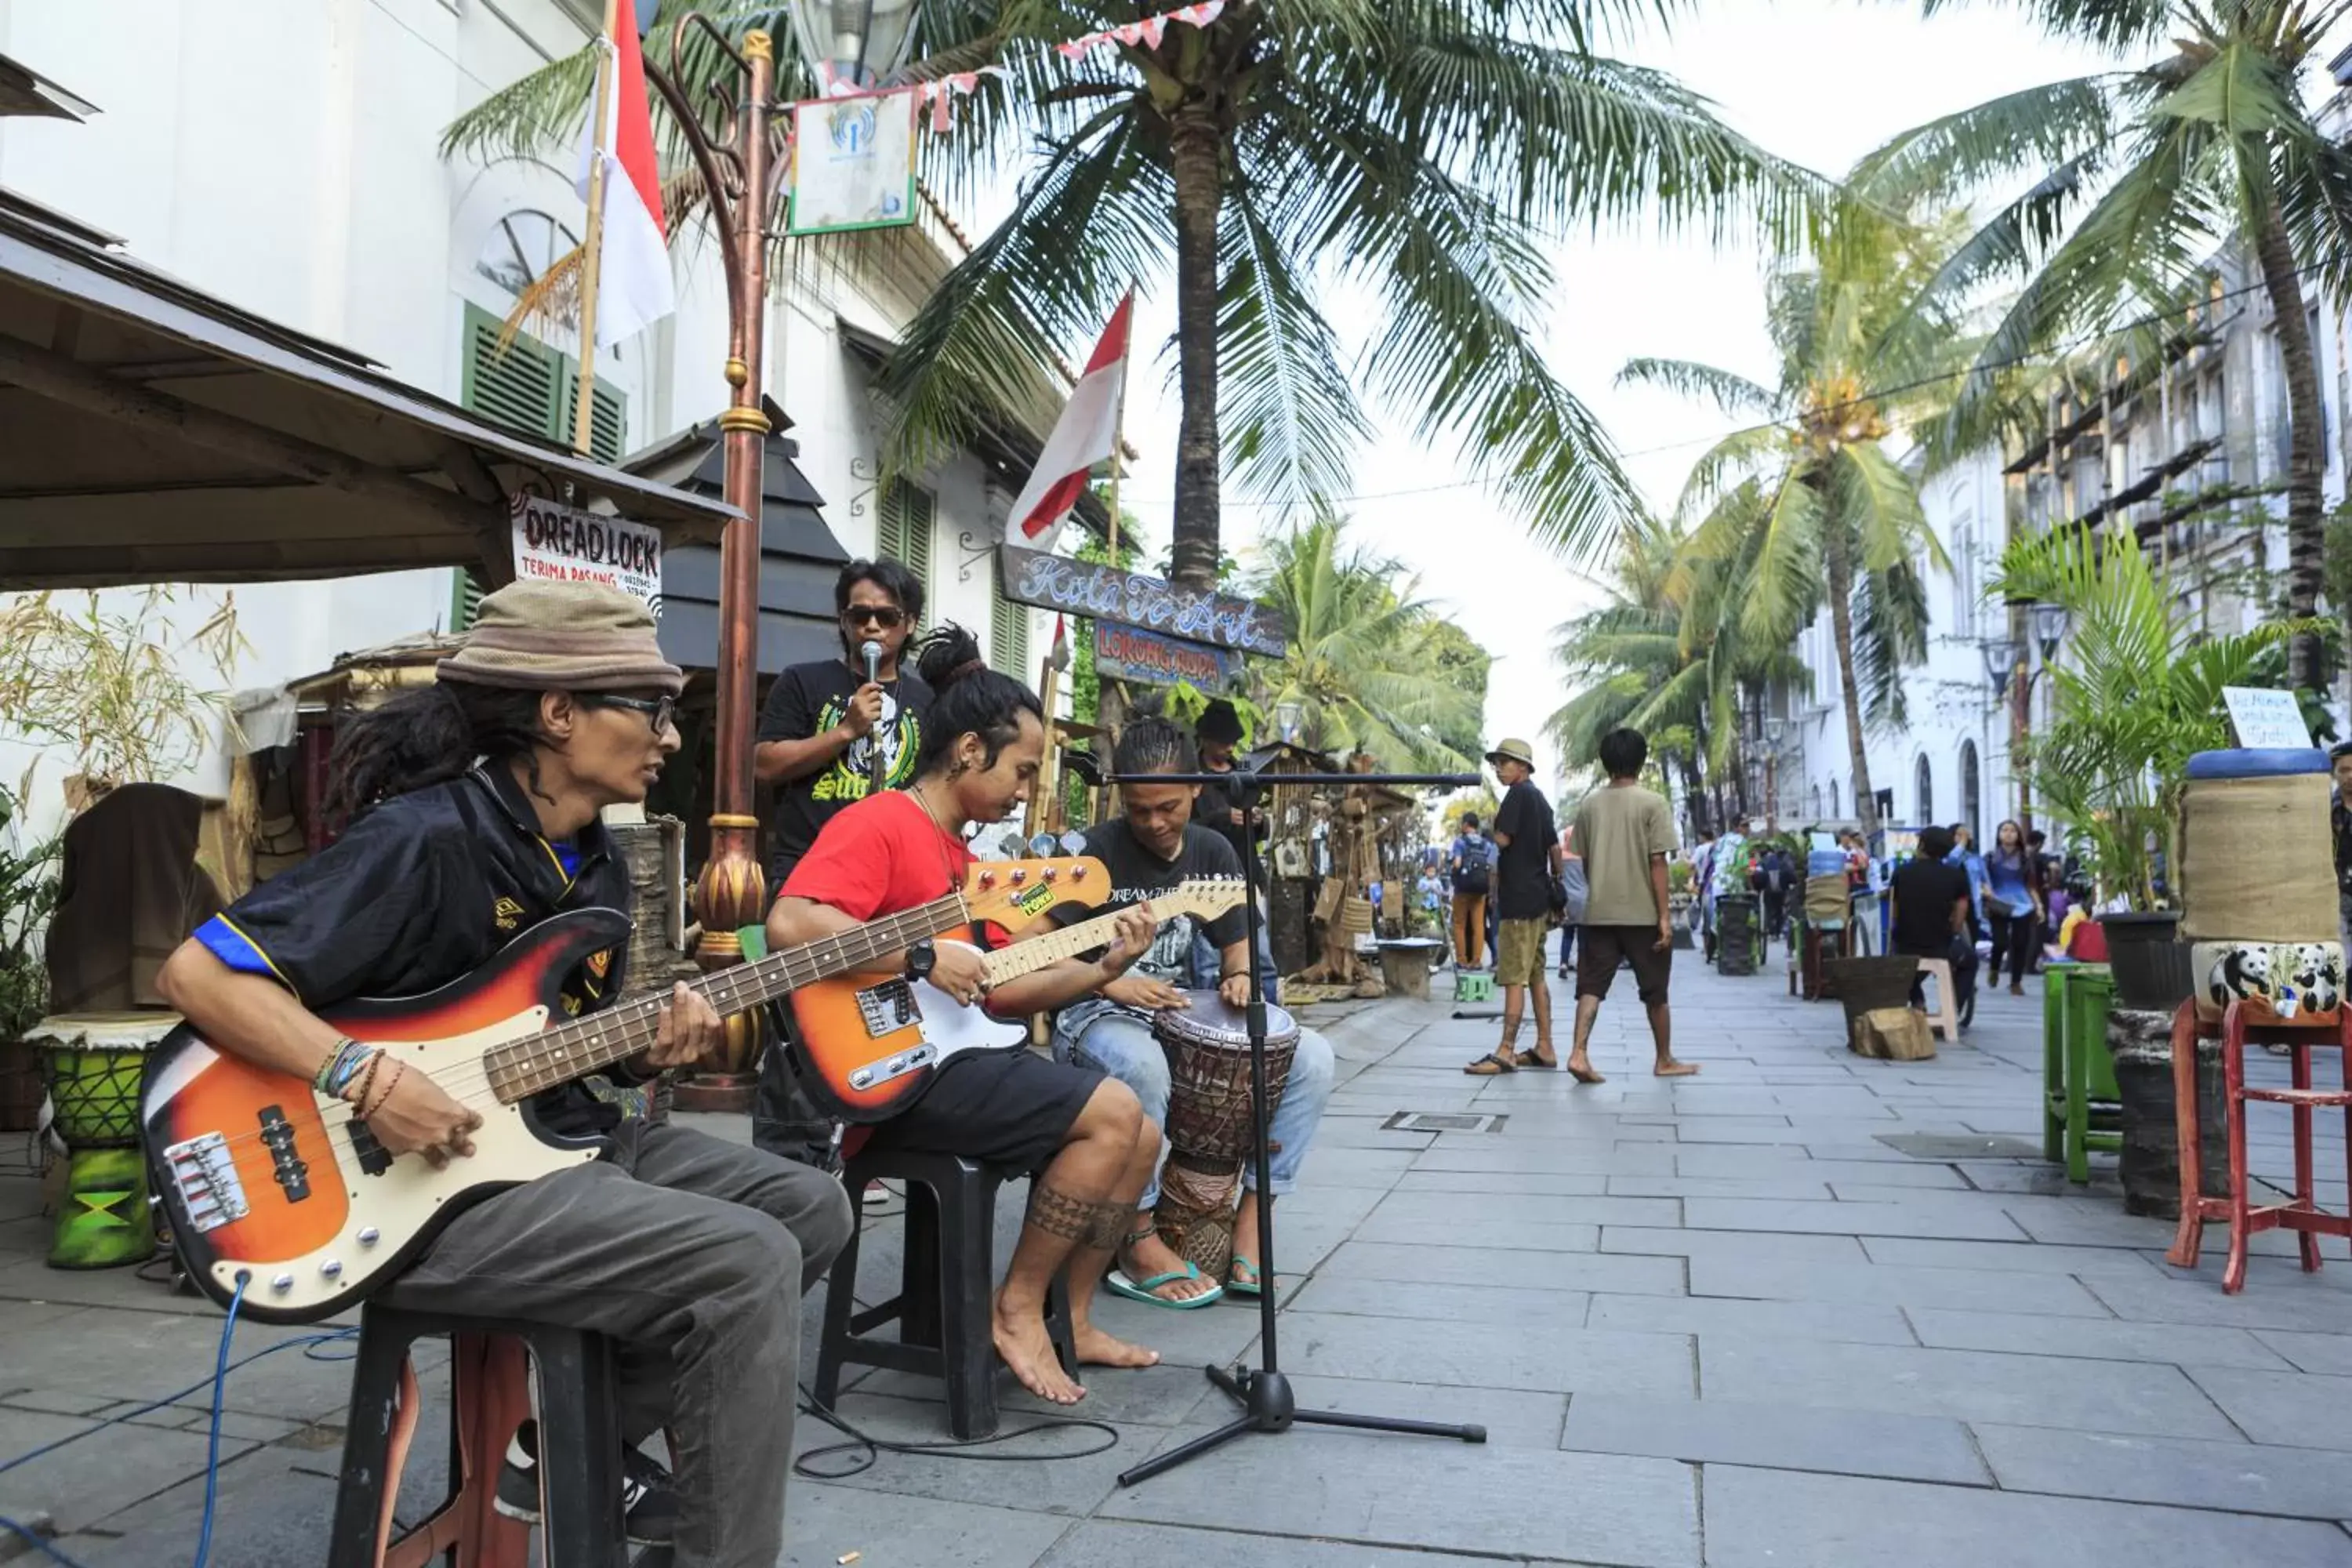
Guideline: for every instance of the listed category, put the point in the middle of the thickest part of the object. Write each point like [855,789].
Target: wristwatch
[921,956]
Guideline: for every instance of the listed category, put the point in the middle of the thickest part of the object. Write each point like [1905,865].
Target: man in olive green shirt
[1625,833]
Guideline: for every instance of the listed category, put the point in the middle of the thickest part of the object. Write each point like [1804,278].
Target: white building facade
[284,155]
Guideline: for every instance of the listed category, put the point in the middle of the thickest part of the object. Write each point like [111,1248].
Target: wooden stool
[2302,1213]
[1942,1017]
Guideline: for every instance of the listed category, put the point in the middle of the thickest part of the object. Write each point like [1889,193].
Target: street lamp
[856,41]
[2002,657]
[1288,716]
[2050,629]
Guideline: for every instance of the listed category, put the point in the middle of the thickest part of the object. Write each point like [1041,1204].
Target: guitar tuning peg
[1074,843]
[1043,846]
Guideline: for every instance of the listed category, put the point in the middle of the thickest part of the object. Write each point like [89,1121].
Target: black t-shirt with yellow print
[423,889]
[809,700]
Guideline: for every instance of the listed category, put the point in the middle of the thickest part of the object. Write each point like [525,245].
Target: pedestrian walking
[2016,903]
[1471,872]
[1528,839]
[1625,832]
[1574,885]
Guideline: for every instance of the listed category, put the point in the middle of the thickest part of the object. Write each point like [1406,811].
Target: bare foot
[1152,1256]
[1670,1067]
[1098,1349]
[1580,1067]
[1022,1342]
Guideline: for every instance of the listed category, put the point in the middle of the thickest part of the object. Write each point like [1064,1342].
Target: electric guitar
[262,1176]
[871,1043]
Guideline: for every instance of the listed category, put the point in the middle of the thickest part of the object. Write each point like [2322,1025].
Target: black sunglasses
[661,712]
[887,617]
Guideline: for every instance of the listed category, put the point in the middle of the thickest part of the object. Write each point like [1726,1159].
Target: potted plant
[2141,695]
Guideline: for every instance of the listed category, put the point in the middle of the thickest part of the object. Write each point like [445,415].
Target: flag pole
[592,248]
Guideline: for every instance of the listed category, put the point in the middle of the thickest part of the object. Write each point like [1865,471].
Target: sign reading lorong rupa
[1108,594]
[563,543]
[1130,653]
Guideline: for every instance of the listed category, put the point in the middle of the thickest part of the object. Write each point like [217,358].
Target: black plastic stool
[579,1443]
[947,1283]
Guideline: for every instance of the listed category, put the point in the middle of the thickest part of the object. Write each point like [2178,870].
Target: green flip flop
[1141,1289]
[1250,1285]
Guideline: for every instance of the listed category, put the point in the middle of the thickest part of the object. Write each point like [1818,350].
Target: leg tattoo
[1091,1224]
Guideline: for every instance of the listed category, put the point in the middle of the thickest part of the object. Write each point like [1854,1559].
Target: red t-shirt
[880,855]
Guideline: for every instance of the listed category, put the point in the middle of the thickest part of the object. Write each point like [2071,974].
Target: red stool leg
[2190,1238]
[2306,1192]
[2233,1110]
[498,1401]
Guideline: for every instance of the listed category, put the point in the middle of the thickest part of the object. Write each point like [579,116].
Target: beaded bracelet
[366,1110]
[357,1094]
[340,1068]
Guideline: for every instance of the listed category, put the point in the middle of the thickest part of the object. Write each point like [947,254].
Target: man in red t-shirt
[1083,1132]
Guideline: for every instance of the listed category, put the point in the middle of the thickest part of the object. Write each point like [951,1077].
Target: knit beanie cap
[536,635]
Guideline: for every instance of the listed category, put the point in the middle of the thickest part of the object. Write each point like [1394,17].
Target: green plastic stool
[2081,1109]
[1473,985]
[102,1223]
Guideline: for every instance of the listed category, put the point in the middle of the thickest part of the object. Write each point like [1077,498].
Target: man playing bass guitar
[473,811]
[1084,1132]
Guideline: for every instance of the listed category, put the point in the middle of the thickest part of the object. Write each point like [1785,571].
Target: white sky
[1816,81]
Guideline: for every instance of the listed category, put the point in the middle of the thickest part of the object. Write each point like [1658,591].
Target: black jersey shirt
[423,889]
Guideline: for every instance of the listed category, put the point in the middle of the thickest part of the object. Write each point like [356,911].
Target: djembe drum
[92,1064]
[1210,1128]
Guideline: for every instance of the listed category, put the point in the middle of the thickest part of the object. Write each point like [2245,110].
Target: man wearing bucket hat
[473,816]
[1526,873]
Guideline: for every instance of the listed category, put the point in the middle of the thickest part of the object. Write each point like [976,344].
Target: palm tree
[1418,151]
[1808,501]
[2135,177]
[1367,659]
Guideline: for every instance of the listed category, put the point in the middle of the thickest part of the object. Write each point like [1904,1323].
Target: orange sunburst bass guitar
[871,1043]
[262,1176]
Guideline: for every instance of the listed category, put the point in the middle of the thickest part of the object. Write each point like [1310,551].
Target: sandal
[1529,1059]
[1242,1278]
[1492,1065]
[1142,1290]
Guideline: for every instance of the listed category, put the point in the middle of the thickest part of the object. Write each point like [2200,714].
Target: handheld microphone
[877,765]
[872,654]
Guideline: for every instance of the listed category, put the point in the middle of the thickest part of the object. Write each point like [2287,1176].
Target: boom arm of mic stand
[1265,1395]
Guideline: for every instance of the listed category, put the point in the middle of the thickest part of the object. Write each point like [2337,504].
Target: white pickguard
[947,1027]
[403,1199]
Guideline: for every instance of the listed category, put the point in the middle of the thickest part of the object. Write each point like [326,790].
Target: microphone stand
[1264,1395]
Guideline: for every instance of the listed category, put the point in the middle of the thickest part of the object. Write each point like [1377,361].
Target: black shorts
[1002,1107]
[1602,946]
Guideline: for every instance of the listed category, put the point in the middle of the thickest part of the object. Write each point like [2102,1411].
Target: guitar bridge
[888,1008]
[211,1194]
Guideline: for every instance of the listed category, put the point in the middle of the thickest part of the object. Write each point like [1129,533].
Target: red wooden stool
[2300,1214]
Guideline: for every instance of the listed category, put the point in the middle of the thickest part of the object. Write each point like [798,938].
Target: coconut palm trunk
[1196,152]
[1838,567]
[2306,463]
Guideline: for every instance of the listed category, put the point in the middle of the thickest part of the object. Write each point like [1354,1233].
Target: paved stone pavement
[1720,1321]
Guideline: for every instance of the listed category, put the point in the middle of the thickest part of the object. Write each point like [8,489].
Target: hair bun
[949,654]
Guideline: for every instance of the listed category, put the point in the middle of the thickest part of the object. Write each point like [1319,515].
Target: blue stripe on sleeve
[234,948]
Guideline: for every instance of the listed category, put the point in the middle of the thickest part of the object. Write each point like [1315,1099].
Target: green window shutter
[465,592]
[517,387]
[608,424]
[1008,639]
[903,529]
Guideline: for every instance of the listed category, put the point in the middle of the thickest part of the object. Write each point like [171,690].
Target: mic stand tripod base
[1268,1405]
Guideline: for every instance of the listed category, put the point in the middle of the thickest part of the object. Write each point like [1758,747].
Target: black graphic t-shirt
[1523,870]
[1137,875]
[809,700]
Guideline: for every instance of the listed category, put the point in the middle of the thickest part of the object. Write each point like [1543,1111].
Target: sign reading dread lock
[570,545]
[1108,594]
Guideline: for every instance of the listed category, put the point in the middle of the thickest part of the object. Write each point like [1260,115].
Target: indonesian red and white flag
[634,288]
[1086,434]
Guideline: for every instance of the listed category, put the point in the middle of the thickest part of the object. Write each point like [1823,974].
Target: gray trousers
[693,1254]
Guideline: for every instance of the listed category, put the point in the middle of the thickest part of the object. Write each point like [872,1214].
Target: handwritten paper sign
[568,545]
[2262,718]
[1108,594]
[1130,653]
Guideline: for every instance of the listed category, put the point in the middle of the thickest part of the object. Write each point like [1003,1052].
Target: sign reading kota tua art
[1153,603]
[566,544]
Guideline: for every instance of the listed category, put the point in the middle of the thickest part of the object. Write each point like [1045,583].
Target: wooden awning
[155,433]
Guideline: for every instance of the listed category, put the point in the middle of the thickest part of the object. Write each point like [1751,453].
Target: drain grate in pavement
[1442,1121]
[1959,1146]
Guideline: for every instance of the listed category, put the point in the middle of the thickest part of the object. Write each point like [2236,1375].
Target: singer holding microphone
[833,732]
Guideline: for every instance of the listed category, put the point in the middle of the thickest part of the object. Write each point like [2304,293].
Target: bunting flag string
[941,92]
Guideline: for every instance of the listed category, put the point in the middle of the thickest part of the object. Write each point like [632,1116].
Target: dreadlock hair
[1154,746]
[967,699]
[427,736]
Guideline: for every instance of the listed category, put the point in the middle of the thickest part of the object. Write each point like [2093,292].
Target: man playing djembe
[1151,847]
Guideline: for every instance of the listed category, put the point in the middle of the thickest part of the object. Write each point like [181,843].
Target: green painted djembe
[91,1065]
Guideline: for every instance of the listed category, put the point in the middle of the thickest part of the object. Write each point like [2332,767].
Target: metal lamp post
[738,166]
[2012,669]
[1774,729]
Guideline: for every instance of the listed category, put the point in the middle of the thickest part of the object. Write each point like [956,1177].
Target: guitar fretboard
[520,1069]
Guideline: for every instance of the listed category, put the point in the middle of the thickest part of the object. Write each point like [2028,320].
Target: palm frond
[1730,392]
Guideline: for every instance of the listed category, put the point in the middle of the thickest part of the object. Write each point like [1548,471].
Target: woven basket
[1866,984]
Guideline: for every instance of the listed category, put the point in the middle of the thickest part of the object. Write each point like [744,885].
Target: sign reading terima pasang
[1130,653]
[1108,594]
[570,545]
